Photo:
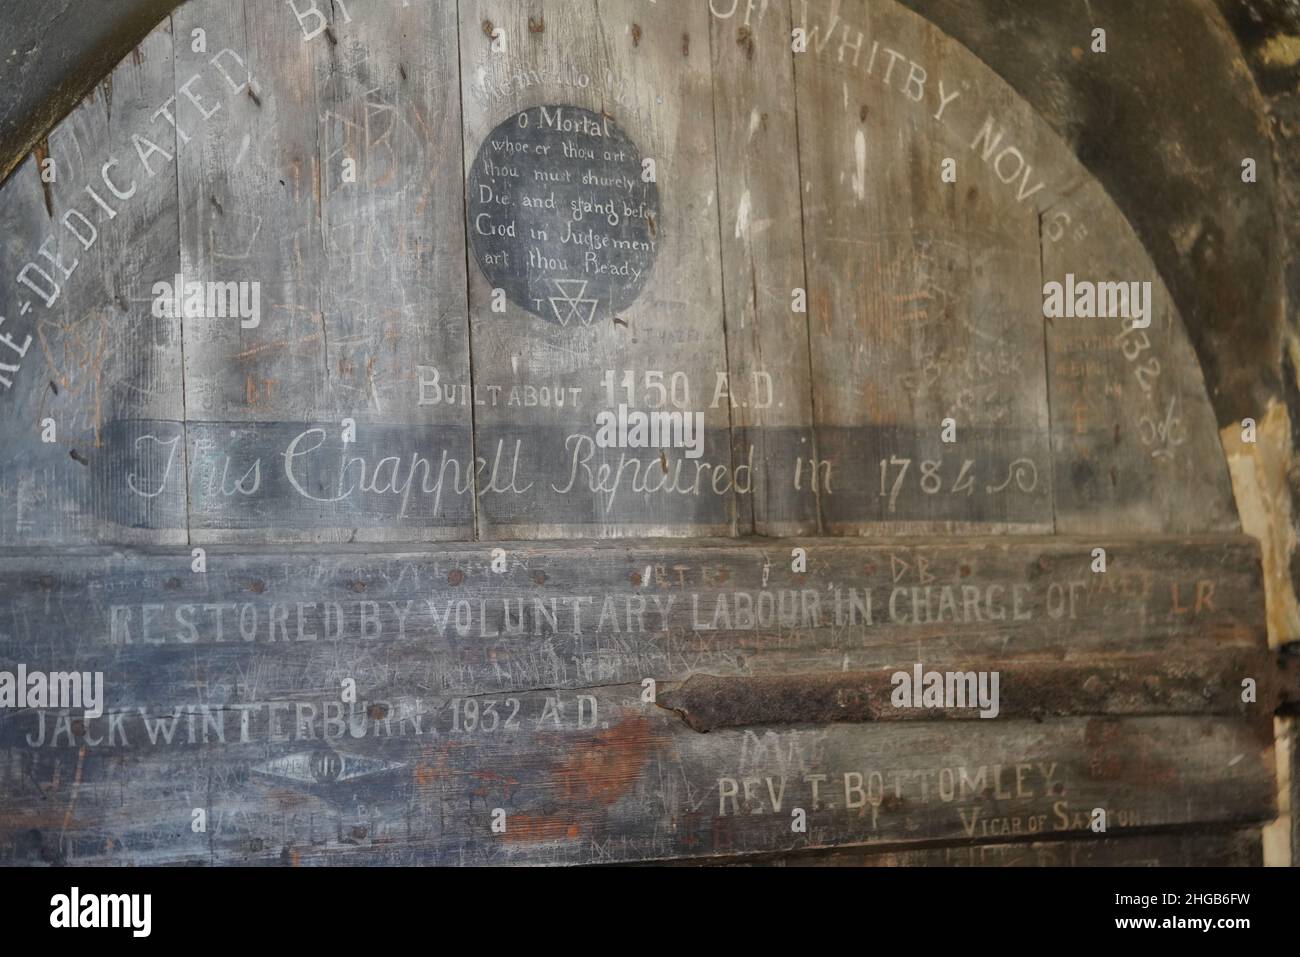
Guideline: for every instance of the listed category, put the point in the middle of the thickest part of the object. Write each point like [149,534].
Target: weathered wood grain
[371,264]
[1132,428]
[647,68]
[1129,684]
[525,690]
[93,352]
[394,298]
[1231,849]
[568,683]
[570,615]
[759,205]
[591,777]
[250,196]
[924,299]
[362,285]
[250,187]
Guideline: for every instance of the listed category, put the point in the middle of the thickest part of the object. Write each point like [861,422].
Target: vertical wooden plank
[762,265]
[250,197]
[543,56]
[1134,437]
[328,182]
[642,74]
[87,356]
[250,200]
[393,222]
[27,392]
[924,297]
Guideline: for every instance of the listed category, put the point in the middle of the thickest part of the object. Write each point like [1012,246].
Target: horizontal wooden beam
[1239,848]
[1135,684]
[389,705]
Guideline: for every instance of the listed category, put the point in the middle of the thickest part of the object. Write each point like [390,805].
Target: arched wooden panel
[924,300]
[462,258]
[1131,423]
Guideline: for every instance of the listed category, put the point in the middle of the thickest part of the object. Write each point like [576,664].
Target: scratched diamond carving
[325,766]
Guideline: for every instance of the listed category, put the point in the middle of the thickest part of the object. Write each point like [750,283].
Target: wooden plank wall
[380,464]
[525,691]
[645,73]
[94,357]
[760,211]
[311,158]
[926,305]
[1131,410]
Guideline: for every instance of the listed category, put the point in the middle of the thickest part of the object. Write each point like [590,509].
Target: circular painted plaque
[564,214]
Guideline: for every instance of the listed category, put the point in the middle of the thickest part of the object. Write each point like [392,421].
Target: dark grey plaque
[560,216]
